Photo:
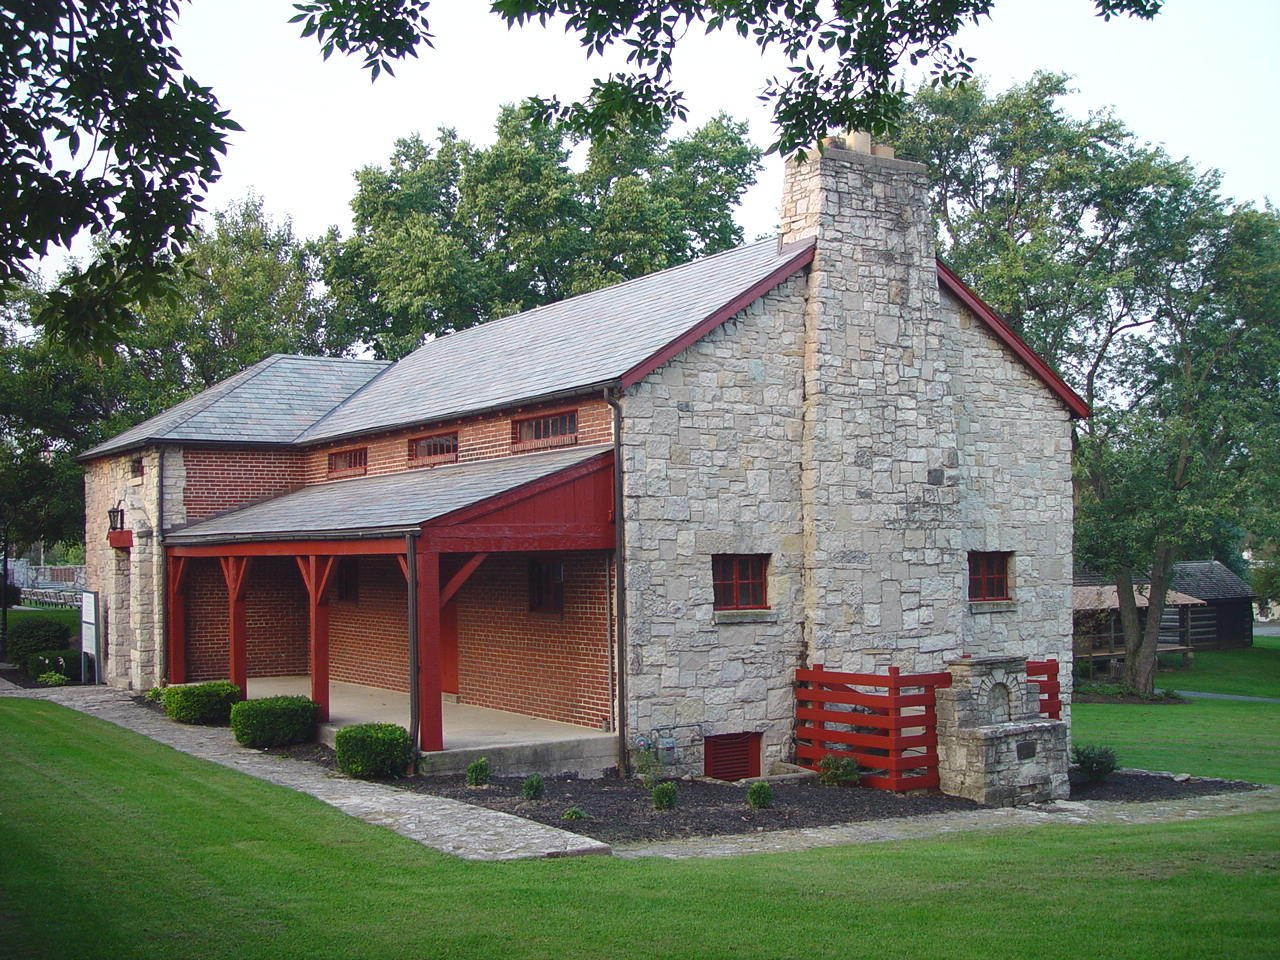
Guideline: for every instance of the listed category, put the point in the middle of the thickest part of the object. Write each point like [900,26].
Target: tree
[136,141]
[450,235]
[1151,294]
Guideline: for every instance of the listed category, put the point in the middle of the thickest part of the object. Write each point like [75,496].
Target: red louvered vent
[732,756]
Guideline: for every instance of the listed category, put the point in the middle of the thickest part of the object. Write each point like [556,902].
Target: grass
[1253,671]
[1211,738]
[113,845]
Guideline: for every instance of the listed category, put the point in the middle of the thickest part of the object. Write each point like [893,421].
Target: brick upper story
[218,479]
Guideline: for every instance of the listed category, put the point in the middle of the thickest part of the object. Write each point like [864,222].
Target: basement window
[732,756]
[438,448]
[349,463]
[551,430]
[740,581]
[989,575]
[546,586]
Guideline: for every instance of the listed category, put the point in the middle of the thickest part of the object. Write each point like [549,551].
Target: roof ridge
[390,365]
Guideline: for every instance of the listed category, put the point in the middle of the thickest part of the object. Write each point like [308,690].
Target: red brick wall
[275,620]
[369,640]
[479,438]
[543,664]
[218,480]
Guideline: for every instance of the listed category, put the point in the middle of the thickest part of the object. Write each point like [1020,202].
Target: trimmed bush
[275,721]
[834,771]
[1095,762]
[65,662]
[533,787]
[478,772]
[664,796]
[206,703]
[35,634]
[373,751]
[760,795]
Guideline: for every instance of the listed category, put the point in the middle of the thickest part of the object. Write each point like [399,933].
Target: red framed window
[989,575]
[546,586]
[349,463]
[551,430]
[438,448]
[740,581]
[346,580]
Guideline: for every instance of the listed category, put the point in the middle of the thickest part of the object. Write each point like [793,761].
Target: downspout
[162,562]
[411,584]
[620,572]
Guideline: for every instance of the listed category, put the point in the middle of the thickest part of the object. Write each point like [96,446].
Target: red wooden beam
[462,576]
[317,572]
[176,609]
[233,572]
[431,715]
[293,548]
[495,538]
[404,564]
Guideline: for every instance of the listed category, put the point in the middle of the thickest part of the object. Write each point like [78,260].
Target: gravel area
[620,811]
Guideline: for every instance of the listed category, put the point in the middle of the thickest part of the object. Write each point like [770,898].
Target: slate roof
[1209,580]
[382,505]
[588,340]
[271,402]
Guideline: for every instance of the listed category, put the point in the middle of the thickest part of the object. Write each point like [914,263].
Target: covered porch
[425,607]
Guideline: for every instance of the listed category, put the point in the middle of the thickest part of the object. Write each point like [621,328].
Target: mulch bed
[19,678]
[620,811]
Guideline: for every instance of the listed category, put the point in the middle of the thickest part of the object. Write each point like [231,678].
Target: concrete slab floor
[466,727]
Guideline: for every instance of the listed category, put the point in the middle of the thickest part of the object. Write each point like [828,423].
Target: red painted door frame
[317,573]
[176,607]
[234,570]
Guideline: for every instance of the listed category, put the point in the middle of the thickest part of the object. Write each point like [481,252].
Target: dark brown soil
[19,678]
[619,811]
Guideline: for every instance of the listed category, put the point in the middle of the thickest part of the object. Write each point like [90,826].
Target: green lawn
[1253,671]
[114,846]
[1212,738]
[69,616]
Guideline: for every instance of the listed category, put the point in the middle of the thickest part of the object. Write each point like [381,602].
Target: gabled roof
[381,505]
[1208,580]
[1107,598]
[271,402]
[586,341]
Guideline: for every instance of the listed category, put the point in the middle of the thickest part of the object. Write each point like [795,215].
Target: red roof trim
[1037,366]
[691,336]
[603,461]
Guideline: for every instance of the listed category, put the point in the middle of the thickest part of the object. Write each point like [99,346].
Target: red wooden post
[895,731]
[430,712]
[176,607]
[317,572]
[233,572]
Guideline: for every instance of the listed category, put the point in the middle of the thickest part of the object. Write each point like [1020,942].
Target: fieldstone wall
[710,449]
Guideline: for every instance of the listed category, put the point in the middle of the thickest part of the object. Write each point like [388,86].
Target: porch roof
[1104,597]
[383,505]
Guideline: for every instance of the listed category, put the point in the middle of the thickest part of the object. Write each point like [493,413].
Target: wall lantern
[115,516]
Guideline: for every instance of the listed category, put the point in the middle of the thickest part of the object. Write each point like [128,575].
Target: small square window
[740,581]
[349,463]
[136,467]
[552,430]
[989,575]
[438,448]
[546,586]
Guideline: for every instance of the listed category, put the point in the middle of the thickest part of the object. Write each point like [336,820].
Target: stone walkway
[1199,695]
[476,833]
[461,829]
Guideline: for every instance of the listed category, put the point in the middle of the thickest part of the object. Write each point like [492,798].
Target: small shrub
[1095,762]
[275,721]
[154,695]
[373,751]
[65,662]
[478,772]
[648,766]
[35,634]
[533,787]
[834,771]
[207,703]
[51,678]
[574,812]
[760,795]
[664,795]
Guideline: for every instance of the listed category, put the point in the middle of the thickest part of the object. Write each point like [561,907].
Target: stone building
[823,448]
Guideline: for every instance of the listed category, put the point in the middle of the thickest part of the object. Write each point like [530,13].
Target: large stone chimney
[883,564]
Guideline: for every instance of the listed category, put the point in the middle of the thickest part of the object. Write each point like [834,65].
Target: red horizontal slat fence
[891,730]
[1044,674]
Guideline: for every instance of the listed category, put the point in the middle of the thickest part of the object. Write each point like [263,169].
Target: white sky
[1202,79]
